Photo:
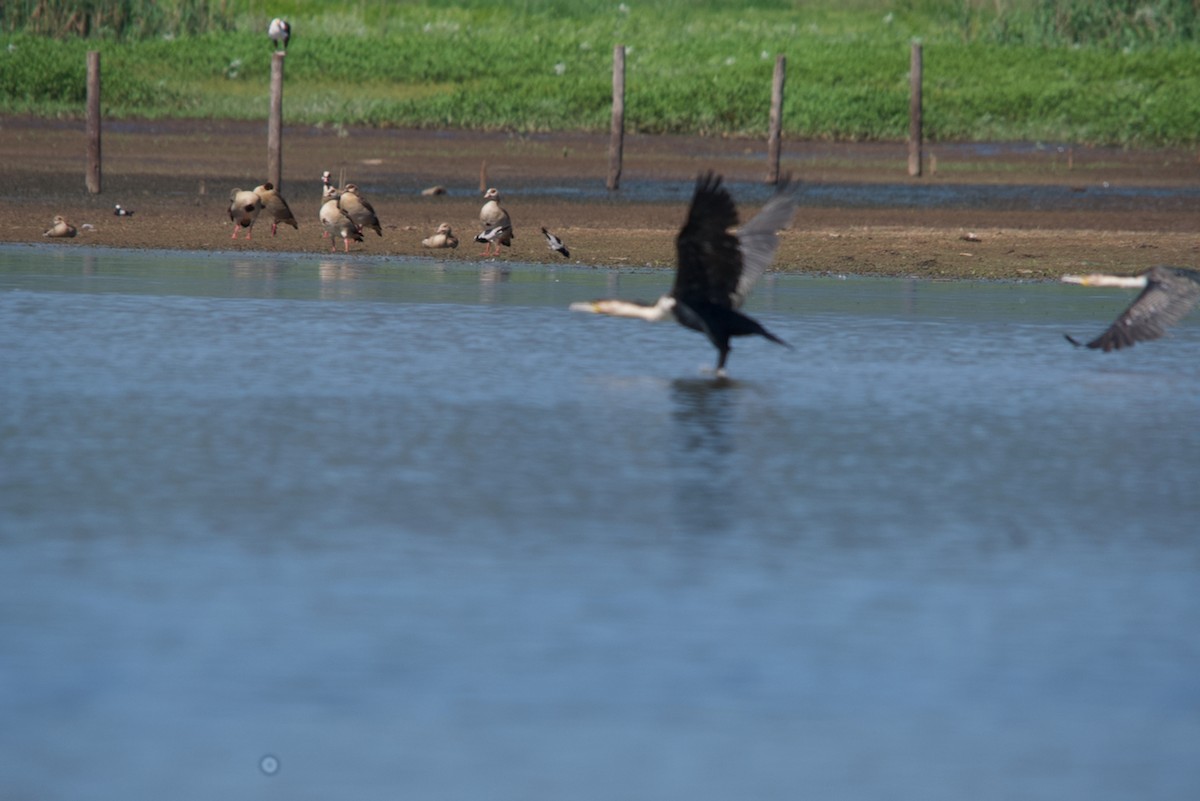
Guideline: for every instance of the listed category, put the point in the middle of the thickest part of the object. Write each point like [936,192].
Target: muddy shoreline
[1013,211]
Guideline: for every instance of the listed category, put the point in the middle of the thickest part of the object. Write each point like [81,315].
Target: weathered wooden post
[616,145]
[93,122]
[275,123]
[775,134]
[914,112]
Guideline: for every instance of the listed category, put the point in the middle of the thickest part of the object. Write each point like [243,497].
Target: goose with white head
[279,32]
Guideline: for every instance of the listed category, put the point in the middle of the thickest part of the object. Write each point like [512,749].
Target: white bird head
[279,32]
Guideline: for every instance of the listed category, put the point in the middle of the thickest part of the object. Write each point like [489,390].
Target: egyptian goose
[497,225]
[276,206]
[443,238]
[60,228]
[359,210]
[244,207]
[337,223]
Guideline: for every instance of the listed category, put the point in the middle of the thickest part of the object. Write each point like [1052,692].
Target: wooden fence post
[275,124]
[93,122]
[914,112]
[616,145]
[775,135]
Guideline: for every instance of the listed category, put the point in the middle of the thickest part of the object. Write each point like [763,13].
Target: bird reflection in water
[703,412]
[490,277]
[251,273]
[334,276]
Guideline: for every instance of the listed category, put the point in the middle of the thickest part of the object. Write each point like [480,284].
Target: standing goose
[244,207]
[337,223]
[60,228]
[328,190]
[497,225]
[715,267]
[1168,294]
[276,206]
[442,238]
[359,210]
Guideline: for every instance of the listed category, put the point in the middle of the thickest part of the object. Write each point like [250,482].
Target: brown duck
[359,210]
[275,206]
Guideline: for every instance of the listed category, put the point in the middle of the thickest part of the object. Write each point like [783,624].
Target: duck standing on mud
[359,210]
[276,206]
[497,225]
[334,220]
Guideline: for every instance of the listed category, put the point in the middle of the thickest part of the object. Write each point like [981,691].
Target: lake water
[316,528]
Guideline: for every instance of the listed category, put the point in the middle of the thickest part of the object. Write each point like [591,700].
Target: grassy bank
[1016,71]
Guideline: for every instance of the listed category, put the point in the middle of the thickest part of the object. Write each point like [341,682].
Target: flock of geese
[346,214]
[717,262]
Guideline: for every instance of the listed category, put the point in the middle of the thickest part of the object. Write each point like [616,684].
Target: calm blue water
[413,530]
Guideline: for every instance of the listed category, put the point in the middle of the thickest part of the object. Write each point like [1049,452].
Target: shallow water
[1089,196]
[412,529]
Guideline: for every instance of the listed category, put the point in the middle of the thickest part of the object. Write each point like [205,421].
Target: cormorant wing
[758,238]
[709,261]
[1169,295]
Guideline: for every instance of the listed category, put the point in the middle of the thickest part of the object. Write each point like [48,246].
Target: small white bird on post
[280,32]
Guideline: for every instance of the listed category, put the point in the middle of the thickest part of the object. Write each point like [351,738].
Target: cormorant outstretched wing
[758,238]
[709,259]
[1169,295]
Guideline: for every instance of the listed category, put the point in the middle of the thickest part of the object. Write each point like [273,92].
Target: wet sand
[177,176]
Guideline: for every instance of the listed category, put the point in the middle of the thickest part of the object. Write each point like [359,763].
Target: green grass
[1063,70]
